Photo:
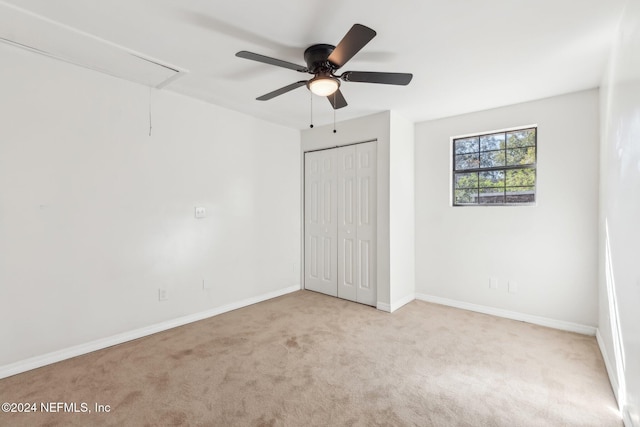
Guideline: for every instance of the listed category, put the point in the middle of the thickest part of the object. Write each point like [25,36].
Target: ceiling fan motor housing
[316,58]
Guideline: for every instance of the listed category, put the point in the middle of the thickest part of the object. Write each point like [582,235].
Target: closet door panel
[347,211]
[321,222]
[366,166]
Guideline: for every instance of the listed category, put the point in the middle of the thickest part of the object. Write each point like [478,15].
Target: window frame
[505,168]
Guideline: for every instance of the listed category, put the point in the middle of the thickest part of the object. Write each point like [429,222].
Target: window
[495,169]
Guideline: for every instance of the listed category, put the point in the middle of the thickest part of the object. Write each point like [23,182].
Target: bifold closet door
[320,212]
[340,222]
[356,223]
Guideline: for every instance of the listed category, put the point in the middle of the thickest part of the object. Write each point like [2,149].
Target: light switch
[201,212]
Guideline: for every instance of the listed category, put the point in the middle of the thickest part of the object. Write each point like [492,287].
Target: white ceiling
[465,55]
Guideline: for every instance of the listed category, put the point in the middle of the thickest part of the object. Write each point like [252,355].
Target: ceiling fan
[323,60]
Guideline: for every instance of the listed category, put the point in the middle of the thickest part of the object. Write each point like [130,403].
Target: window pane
[492,179]
[503,165]
[521,177]
[466,161]
[492,142]
[521,138]
[466,145]
[491,196]
[521,156]
[467,180]
[463,197]
[492,159]
[521,195]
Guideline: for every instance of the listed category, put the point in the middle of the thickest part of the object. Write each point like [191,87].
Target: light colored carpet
[308,359]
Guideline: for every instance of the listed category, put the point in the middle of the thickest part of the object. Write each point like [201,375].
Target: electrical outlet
[513,287]
[201,212]
[205,285]
[162,294]
[493,283]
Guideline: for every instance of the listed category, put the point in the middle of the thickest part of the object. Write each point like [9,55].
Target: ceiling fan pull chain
[311,103]
[334,112]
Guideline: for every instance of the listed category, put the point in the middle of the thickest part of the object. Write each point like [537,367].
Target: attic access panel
[27,30]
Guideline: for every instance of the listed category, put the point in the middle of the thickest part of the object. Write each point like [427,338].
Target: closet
[340,222]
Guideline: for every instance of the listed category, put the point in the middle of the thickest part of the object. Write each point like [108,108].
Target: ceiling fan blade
[357,37]
[402,79]
[271,61]
[282,90]
[337,100]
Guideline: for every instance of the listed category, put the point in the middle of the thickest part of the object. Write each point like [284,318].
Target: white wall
[619,319]
[401,211]
[550,250]
[96,215]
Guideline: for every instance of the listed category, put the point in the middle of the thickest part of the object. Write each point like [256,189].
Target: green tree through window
[495,169]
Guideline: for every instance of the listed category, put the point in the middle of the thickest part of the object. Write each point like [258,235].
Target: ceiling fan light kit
[323,60]
[323,85]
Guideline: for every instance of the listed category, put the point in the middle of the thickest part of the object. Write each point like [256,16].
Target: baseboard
[626,418]
[401,302]
[383,306]
[99,344]
[537,320]
[613,378]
